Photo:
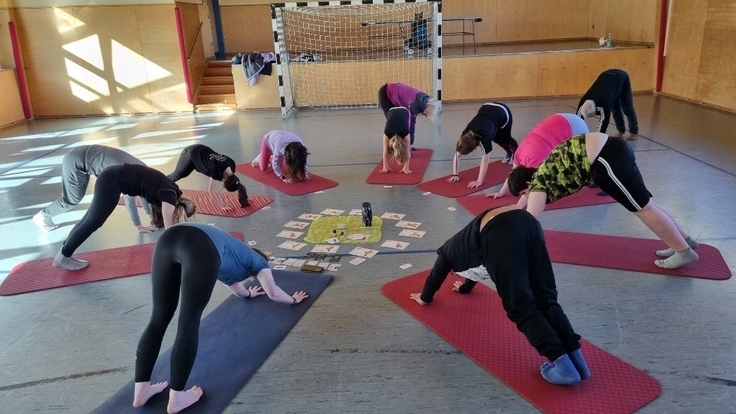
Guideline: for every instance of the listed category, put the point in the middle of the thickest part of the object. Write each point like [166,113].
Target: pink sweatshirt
[543,138]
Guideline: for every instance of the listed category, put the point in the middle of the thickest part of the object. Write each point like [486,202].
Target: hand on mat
[456,286]
[385,170]
[474,184]
[226,208]
[306,176]
[146,229]
[494,195]
[417,297]
[406,170]
[255,291]
[453,179]
[300,296]
[288,180]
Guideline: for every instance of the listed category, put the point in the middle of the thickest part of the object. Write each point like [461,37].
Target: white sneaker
[508,159]
[69,263]
[44,222]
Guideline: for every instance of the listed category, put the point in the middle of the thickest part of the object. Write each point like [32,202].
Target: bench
[405,32]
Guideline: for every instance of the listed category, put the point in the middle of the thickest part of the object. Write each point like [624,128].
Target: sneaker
[44,222]
[507,159]
[69,263]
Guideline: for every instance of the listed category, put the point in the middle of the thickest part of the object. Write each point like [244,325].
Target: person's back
[543,138]
[99,157]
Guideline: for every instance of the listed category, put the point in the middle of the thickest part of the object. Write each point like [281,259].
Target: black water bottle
[367,214]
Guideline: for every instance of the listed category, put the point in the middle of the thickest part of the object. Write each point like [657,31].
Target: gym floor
[68,350]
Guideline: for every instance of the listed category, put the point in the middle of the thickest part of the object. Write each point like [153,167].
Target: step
[218,72]
[216,89]
[215,107]
[219,63]
[217,80]
[228,99]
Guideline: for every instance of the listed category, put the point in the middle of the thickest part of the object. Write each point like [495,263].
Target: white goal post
[337,54]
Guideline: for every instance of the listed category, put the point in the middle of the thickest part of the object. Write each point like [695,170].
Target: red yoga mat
[476,204]
[419,161]
[206,206]
[40,274]
[496,174]
[477,325]
[629,253]
[315,182]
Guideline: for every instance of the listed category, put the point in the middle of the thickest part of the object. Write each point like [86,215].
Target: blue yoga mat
[234,340]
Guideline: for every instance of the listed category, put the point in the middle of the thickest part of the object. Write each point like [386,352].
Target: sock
[678,259]
[561,371]
[670,251]
[580,365]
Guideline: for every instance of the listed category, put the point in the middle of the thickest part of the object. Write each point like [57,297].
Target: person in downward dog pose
[132,180]
[492,123]
[218,167]
[611,94]
[396,141]
[187,261]
[540,141]
[397,94]
[76,168]
[507,245]
[611,164]
[285,147]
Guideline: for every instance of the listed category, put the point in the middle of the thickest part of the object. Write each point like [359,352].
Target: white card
[325,248]
[405,266]
[277,260]
[279,267]
[266,208]
[289,262]
[319,192]
[312,262]
[355,212]
[332,212]
[427,193]
[359,236]
[324,265]
[333,240]
[393,244]
[298,263]
[357,261]
[290,234]
[309,216]
[333,267]
[296,225]
[387,186]
[392,216]
[408,224]
[451,208]
[251,242]
[363,252]
[412,233]
[292,245]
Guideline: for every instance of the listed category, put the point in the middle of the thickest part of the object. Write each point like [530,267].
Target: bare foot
[632,137]
[179,400]
[616,135]
[144,391]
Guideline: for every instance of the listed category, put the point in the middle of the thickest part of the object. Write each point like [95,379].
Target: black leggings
[105,199]
[383,102]
[184,166]
[184,259]
[516,258]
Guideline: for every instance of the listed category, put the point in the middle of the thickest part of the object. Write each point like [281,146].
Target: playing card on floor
[309,216]
[292,245]
[412,233]
[355,212]
[357,261]
[363,252]
[392,216]
[296,225]
[325,248]
[393,244]
[408,224]
[359,236]
[290,234]
[332,212]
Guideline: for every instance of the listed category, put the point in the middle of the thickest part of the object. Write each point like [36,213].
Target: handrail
[194,42]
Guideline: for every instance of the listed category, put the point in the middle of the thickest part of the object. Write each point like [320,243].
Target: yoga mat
[496,174]
[234,340]
[40,274]
[477,325]
[629,253]
[315,182]
[206,206]
[419,161]
[478,203]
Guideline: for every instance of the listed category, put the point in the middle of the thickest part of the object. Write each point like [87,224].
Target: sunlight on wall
[87,49]
[126,65]
[69,21]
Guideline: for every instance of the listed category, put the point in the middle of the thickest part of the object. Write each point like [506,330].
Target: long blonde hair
[183,210]
[399,149]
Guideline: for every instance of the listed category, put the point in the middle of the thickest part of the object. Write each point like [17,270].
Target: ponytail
[232,183]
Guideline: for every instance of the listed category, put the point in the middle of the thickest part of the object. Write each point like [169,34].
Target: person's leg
[184,166]
[661,224]
[507,252]
[383,102]
[690,241]
[627,107]
[264,158]
[618,119]
[104,201]
[503,137]
[74,182]
[437,276]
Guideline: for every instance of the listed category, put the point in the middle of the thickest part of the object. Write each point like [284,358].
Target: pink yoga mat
[419,161]
[206,206]
[478,203]
[496,174]
[477,325]
[40,274]
[315,182]
[629,253]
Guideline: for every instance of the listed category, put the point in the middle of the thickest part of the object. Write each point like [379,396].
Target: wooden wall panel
[11,110]
[6,48]
[488,77]
[193,41]
[264,95]
[485,31]
[626,20]
[247,28]
[531,20]
[685,39]
[716,83]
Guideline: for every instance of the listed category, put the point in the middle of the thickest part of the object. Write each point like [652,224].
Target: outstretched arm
[212,190]
[407,143]
[386,167]
[455,166]
[481,172]
[265,277]
[504,189]
[167,210]
[536,203]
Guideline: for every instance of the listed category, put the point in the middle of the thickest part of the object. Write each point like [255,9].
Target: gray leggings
[74,182]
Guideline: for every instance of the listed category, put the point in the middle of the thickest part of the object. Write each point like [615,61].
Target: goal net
[337,54]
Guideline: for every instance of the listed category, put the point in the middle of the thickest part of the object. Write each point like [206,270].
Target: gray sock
[678,259]
[69,263]
[670,251]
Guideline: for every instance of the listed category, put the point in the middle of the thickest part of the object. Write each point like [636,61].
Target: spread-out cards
[363,252]
[292,245]
[393,244]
